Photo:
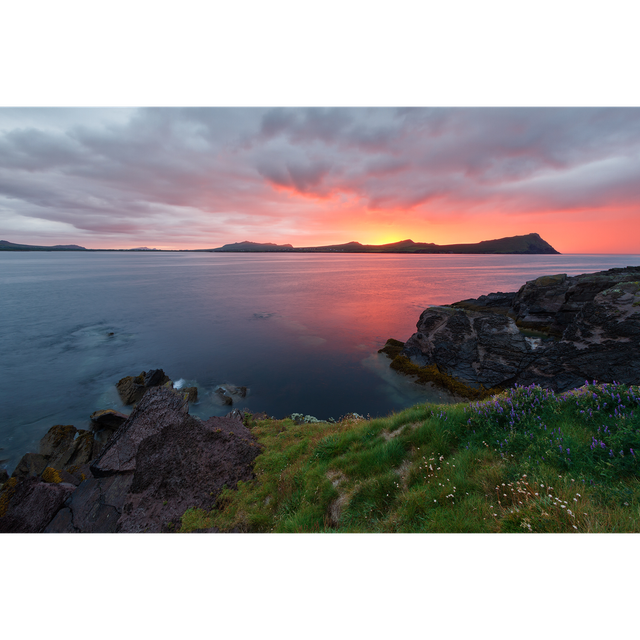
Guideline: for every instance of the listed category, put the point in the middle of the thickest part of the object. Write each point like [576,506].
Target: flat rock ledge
[159,462]
[556,332]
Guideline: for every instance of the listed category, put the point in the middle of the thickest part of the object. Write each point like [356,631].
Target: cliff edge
[556,332]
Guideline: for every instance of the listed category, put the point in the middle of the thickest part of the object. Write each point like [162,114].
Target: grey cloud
[101,169]
[301,176]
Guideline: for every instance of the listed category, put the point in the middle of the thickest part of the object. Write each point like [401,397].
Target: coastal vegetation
[525,460]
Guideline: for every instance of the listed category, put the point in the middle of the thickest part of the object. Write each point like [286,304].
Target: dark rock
[231,389]
[493,302]
[4,476]
[132,388]
[57,440]
[596,316]
[108,418]
[192,393]
[222,396]
[94,507]
[166,462]
[30,465]
[155,378]
[33,506]
[160,462]
[550,303]
[79,453]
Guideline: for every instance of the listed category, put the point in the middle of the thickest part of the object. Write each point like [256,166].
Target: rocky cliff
[155,463]
[556,331]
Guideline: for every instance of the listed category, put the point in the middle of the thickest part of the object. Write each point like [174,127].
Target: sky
[201,177]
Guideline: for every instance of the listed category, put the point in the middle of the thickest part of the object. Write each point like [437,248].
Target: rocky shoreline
[141,472]
[135,473]
[556,332]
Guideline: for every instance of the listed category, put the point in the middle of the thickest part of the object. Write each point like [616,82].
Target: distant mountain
[10,246]
[531,243]
[255,246]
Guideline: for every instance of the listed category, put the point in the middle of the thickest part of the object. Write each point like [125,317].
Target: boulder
[30,465]
[132,388]
[4,476]
[222,396]
[191,392]
[63,449]
[33,505]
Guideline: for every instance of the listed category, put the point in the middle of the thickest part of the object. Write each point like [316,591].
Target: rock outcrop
[556,331]
[158,463]
[132,388]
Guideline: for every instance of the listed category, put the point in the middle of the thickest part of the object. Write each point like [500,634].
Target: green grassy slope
[523,461]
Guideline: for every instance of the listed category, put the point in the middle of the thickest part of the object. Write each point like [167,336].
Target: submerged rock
[226,393]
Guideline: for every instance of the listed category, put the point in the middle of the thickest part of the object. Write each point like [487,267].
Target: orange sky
[201,178]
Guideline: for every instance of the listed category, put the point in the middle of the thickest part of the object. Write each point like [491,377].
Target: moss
[392,348]
[51,475]
[431,373]
[547,281]
[8,489]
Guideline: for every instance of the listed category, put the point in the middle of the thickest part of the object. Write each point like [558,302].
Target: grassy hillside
[526,460]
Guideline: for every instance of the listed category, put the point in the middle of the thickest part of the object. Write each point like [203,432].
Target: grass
[525,460]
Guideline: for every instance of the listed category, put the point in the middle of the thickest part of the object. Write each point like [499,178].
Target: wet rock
[4,476]
[222,396]
[132,388]
[78,452]
[190,393]
[231,389]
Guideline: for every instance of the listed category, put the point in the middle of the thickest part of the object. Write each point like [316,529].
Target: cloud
[290,171]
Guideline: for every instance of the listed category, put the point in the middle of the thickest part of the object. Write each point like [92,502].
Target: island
[530,243]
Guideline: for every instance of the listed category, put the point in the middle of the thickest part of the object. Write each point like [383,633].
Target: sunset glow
[200,178]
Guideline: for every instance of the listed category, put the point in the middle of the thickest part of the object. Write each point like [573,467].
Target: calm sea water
[301,331]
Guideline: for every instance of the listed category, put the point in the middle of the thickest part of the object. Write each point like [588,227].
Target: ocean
[300,331]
